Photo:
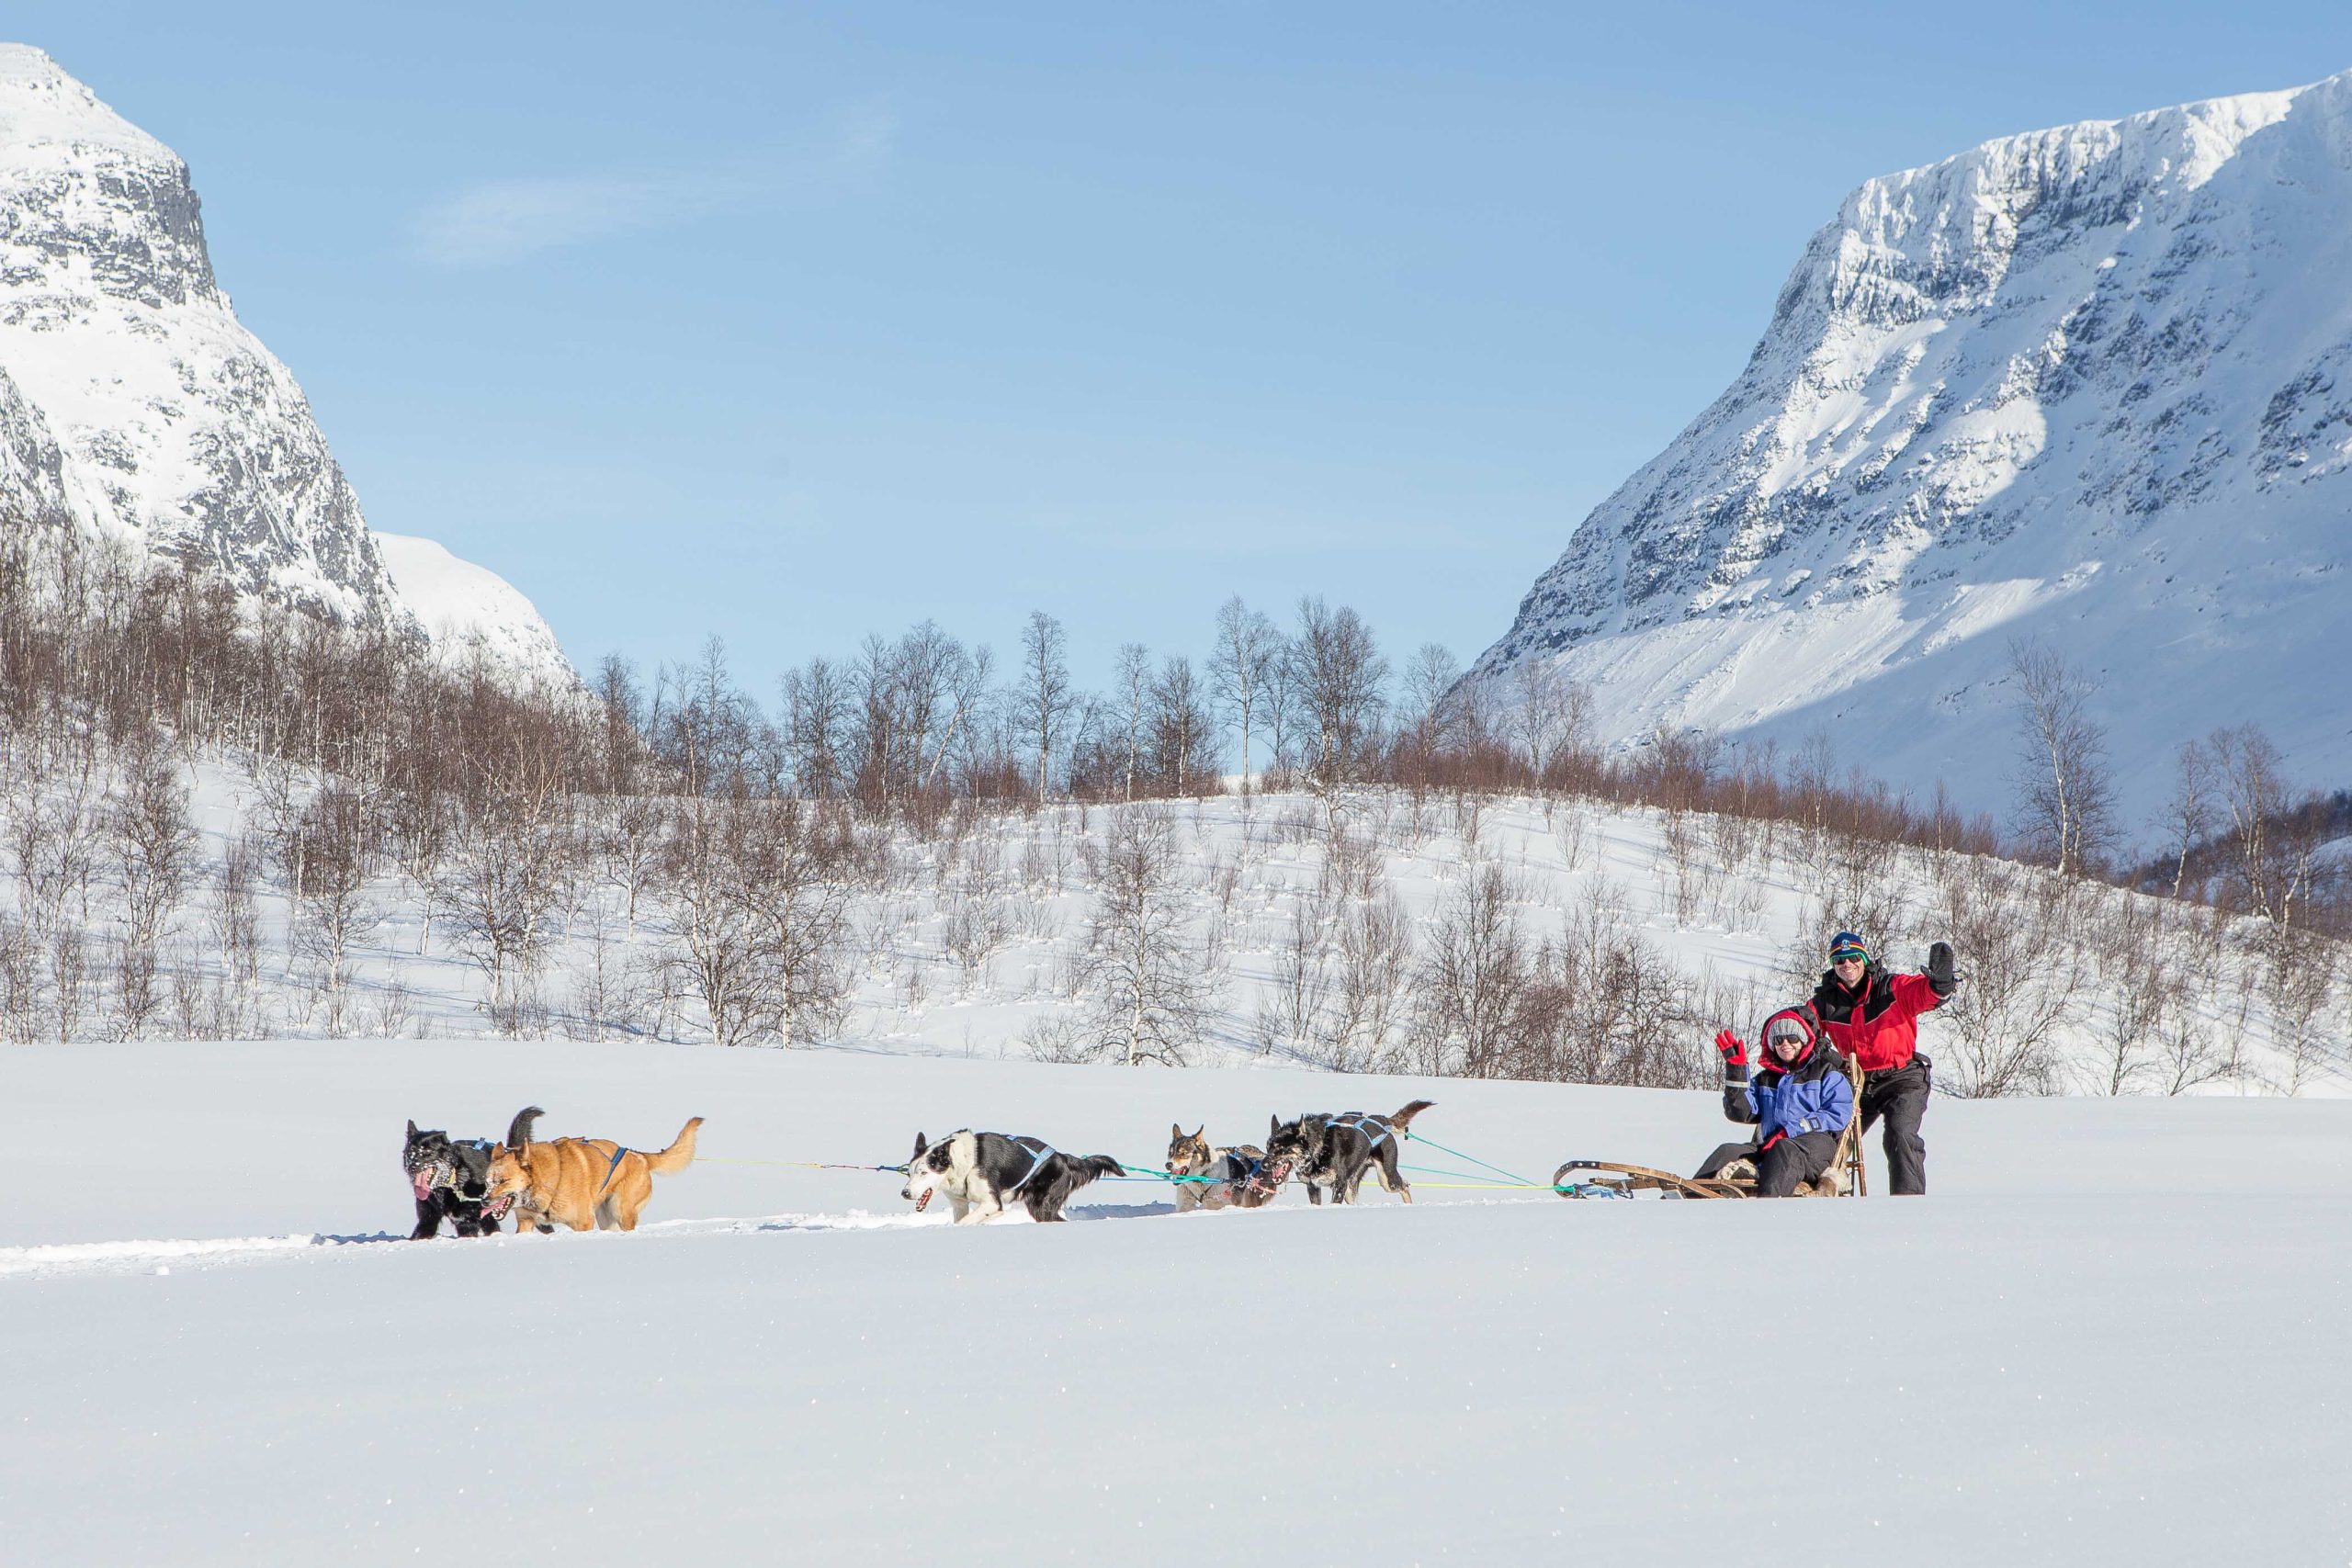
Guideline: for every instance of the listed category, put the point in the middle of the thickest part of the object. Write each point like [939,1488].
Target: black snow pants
[1724,1154]
[1792,1160]
[1778,1168]
[1900,1095]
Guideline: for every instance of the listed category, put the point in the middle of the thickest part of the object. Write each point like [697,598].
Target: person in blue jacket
[1800,1099]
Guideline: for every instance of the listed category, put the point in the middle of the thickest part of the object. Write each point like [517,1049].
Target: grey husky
[1213,1178]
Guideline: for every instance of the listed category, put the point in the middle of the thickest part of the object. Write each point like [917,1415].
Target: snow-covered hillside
[2091,385]
[133,405]
[2111,1334]
[1511,937]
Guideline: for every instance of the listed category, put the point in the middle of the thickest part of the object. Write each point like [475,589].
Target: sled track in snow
[162,1257]
[74,1260]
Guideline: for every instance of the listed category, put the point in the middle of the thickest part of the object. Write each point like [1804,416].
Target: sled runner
[1639,1179]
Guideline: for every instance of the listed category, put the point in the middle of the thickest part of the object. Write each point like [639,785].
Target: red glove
[1734,1049]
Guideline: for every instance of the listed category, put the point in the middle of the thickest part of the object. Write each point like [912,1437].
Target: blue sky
[791,323]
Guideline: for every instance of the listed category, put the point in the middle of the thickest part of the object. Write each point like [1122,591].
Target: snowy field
[2114,1333]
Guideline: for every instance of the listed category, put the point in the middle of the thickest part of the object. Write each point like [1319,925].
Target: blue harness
[1045,1151]
[608,1171]
[1238,1173]
[1376,1128]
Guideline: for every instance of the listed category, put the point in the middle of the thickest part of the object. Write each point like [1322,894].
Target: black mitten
[1940,978]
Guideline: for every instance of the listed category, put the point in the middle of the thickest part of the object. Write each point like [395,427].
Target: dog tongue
[422,1181]
[922,1201]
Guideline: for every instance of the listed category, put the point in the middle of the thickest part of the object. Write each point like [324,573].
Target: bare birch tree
[1043,703]
[1341,674]
[1130,709]
[794,870]
[1245,649]
[1551,714]
[154,846]
[716,950]
[1433,721]
[817,720]
[338,851]
[1150,998]
[1279,700]
[1473,967]
[2188,816]
[2065,803]
[511,858]
[1178,736]
[2269,864]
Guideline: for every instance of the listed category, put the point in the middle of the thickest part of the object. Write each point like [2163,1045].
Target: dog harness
[1243,1179]
[1231,1162]
[1257,1170]
[1044,1152]
[608,1171]
[1376,1128]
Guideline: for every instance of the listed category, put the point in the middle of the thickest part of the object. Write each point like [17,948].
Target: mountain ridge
[134,405]
[2091,385]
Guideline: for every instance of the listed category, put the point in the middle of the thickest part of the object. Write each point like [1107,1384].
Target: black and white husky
[1333,1152]
[983,1172]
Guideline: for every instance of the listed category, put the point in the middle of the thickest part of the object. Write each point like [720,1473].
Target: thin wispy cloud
[501,221]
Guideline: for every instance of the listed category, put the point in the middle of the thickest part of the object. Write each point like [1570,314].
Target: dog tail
[1404,1119]
[1093,1168]
[518,1131]
[681,1152]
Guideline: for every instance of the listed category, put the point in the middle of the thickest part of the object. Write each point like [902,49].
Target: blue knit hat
[1846,945]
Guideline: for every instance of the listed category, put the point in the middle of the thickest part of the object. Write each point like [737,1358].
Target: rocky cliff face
[133,403]
[2091,385]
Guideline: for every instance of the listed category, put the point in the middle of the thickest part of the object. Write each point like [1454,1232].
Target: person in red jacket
[1872,1017]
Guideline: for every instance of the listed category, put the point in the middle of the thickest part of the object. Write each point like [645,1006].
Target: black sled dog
[450,1178]
[983,1172]
[1334,1152]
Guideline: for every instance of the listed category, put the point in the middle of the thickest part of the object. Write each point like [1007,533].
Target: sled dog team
[583,1183]
[1800,1099]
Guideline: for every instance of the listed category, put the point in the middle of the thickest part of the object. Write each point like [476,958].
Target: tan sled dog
[580,1182]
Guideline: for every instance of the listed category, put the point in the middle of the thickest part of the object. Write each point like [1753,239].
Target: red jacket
[1877,1022]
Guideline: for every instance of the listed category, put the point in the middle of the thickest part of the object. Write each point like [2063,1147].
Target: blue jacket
[1810,1096]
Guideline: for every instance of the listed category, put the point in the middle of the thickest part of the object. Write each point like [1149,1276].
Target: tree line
[755,827]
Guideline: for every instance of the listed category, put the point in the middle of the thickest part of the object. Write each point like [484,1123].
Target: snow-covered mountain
[132,403]
[2091,385]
